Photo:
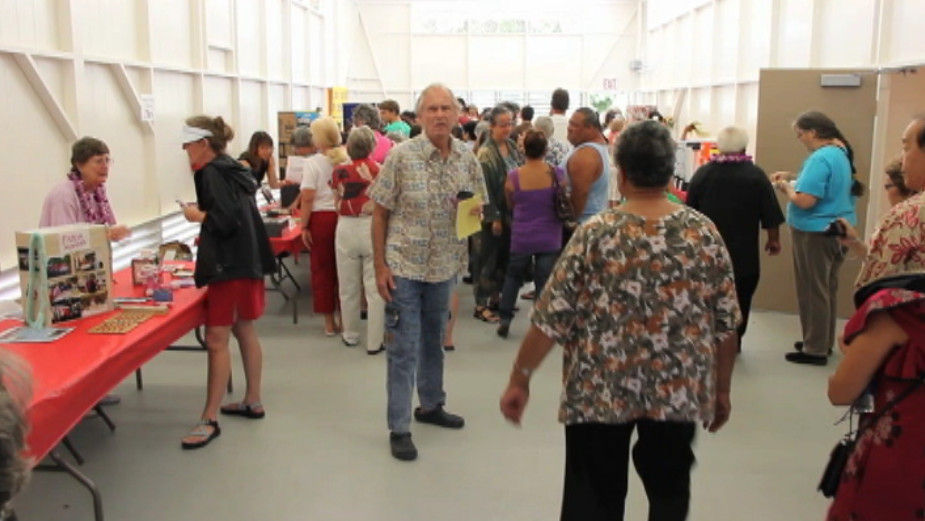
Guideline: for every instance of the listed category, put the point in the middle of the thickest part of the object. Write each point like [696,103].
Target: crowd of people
[648,295]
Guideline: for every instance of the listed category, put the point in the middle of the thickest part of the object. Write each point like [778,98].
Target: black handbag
[838,459]
[562,198]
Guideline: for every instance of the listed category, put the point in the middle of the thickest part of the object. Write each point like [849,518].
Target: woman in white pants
[353,243]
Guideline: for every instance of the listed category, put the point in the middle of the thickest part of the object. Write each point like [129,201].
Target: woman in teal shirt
[825,190]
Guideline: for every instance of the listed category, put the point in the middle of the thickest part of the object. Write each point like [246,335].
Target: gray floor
[322,452]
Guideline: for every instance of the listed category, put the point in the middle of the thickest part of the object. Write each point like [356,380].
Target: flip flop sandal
[486,315]
[247,410]
[205,431]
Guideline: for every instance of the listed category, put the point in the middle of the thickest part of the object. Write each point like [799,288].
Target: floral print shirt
[898,244]
[420,190]
[639,306]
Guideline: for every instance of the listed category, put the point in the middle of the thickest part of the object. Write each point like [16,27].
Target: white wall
[708,53]
[400,46]
[76,67]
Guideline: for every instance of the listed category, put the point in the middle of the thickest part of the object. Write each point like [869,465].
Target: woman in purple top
[536,231]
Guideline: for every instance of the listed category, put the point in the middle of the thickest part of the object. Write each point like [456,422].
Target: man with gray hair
[418,256]
[737,196]
[367,115]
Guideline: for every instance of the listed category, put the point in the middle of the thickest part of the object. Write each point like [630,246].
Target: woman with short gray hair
[643,301]
[556,150]
[367,115]
[353,243]
[303,146]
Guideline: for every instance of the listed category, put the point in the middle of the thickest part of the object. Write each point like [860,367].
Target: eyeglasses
[108,161]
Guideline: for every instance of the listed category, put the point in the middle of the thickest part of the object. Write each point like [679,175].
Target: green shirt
[399,127]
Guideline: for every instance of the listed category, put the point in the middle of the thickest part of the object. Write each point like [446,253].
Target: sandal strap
[241,406]
[199,431]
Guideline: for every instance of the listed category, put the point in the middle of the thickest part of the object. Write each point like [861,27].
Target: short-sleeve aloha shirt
[420,189]
[640,306]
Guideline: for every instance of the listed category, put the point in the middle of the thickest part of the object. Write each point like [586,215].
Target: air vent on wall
[840,80]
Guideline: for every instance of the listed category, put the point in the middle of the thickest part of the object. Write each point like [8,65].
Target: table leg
[138,382]
[70,448]
[99,410]
[286,274]
[84,480]
[201,340]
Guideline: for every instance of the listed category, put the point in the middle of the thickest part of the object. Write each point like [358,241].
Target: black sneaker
[804,358]
[439,417]
[402,447]
[364,314]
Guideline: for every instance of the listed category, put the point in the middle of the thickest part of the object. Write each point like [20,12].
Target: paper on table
[466,222]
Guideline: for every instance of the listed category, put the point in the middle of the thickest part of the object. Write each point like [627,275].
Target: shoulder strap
[555,178]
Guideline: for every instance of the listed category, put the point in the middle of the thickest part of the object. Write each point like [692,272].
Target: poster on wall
[337,96]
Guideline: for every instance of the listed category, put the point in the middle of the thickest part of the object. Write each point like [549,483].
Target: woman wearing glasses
[81,198]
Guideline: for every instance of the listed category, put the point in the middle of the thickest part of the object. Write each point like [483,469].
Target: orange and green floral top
[640,306]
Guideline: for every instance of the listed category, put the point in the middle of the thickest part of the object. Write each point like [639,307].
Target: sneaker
[439,417]
[804,358]
[364,314]
[402,447]
[349,343]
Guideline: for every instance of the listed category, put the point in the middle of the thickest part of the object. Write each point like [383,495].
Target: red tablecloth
[289,242]
[71,374]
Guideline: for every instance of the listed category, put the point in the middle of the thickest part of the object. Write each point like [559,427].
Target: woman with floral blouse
[644,304]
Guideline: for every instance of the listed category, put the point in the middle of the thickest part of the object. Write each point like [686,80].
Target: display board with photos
[70,275]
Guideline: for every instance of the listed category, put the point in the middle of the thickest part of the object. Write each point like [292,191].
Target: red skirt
[229,301]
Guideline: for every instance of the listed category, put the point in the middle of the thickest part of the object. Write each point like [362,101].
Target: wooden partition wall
[783,94]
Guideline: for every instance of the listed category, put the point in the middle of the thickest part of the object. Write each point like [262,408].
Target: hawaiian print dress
[884,479]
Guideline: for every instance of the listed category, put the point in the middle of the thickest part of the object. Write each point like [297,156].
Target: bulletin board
[288,122]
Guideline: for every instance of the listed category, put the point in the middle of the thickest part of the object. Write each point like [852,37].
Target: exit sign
[610,84]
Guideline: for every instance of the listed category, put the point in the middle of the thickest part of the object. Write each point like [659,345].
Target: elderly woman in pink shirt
[365,114]
[81,198]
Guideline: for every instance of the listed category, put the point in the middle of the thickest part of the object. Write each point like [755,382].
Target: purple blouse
[535,228]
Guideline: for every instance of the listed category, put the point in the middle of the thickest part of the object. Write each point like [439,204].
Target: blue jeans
[514,278]
[415,321]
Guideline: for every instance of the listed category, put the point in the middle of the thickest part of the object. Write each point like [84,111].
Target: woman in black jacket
[233,258]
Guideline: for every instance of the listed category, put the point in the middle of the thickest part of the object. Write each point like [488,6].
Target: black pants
[745,290]
[597,466]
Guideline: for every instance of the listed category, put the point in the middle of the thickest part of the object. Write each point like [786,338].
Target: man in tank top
[587,164]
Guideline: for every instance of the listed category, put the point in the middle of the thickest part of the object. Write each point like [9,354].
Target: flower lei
[731,158]
[99,213]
